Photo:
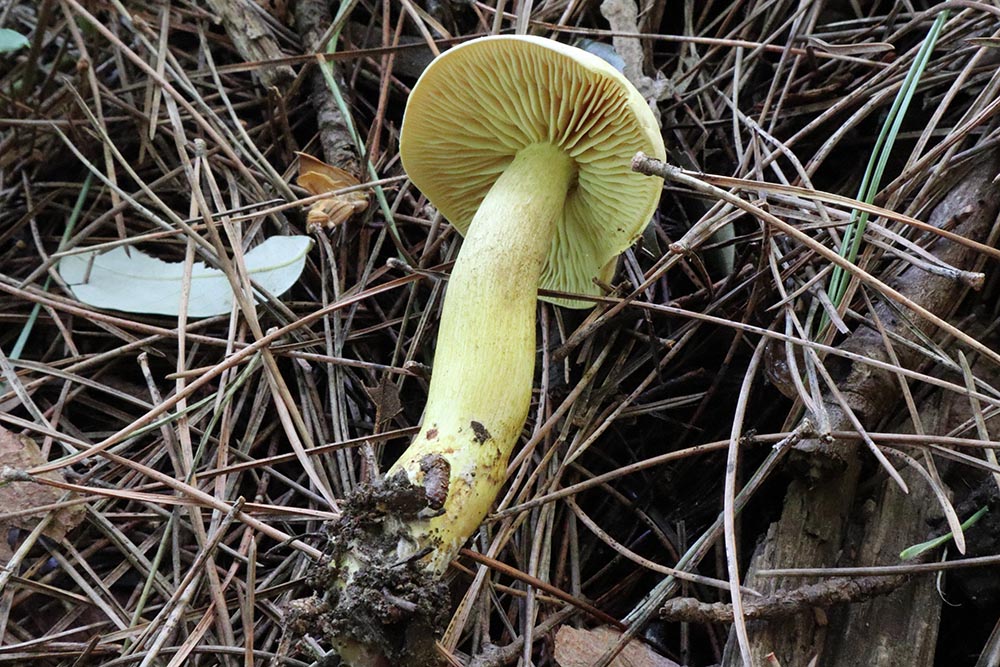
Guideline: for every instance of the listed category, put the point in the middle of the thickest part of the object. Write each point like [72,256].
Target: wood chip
[580,648]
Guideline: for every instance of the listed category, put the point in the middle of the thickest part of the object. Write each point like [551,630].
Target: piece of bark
[809,534]
[253,40]
[813,526]
[312,18]
[900,628]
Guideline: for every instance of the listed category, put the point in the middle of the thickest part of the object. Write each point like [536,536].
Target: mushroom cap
[480,103]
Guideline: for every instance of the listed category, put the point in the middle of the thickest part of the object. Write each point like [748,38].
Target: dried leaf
[21,453]
[317,178]
[581,648]
[385,396]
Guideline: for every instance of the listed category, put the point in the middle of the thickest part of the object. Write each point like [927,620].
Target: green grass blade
[22,339]
[872,179]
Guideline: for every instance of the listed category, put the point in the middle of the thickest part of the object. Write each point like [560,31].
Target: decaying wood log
[815,529]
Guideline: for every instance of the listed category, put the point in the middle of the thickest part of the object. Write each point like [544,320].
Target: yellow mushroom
[524,145]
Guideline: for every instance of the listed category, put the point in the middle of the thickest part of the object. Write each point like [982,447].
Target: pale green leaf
[11,40]
[918,549]
[134,282]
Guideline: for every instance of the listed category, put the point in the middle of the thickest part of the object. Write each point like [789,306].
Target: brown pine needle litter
[714,461]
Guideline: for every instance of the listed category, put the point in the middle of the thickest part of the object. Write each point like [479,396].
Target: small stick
[783,603]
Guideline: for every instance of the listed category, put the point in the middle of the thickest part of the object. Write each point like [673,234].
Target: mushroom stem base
[373,608]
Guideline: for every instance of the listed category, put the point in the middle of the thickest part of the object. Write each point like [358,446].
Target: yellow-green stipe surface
[485,357]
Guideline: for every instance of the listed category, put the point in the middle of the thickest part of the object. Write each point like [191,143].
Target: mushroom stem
[483,372]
